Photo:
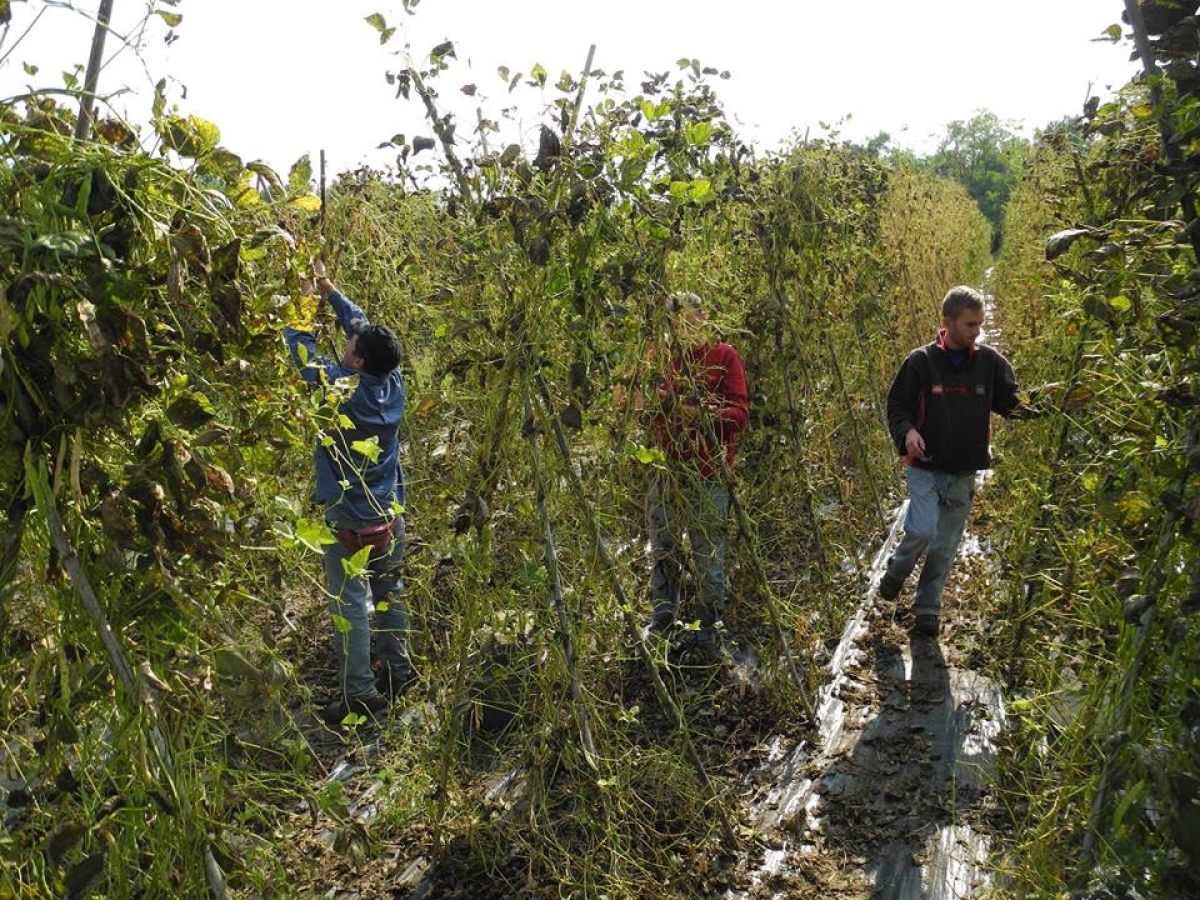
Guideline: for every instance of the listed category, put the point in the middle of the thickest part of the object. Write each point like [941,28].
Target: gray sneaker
[373,706]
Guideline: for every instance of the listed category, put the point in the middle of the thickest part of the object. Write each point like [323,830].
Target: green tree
[986,157]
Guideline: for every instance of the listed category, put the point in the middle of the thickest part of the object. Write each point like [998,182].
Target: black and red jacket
[952,409]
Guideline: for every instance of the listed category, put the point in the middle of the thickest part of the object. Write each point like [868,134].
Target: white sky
[285,77]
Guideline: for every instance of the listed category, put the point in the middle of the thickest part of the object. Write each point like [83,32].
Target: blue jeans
[699,507]
[938,506]
[348,598]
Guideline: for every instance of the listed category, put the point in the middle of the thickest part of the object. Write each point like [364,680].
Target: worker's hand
[321,277]
[666,397]
[689,409]
[914,443]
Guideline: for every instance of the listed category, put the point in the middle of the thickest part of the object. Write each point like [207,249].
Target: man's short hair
[959,299]
[680,300]
[379,349]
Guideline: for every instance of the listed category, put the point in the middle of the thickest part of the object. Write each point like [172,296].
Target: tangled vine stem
[127,676]
[632,629]
[550,561]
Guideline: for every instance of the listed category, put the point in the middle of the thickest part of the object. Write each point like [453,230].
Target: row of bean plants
[1099,626]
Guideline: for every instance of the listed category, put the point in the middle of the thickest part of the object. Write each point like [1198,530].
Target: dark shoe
[889,586]
[660,627]
[661,623]
[373,706]
[394,682]
[926,625]
[704,654]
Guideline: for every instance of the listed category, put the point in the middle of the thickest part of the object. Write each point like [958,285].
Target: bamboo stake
[569,133]
[864,456]
[794,420]
[550,561]
[1158,578]
[444,135]
[1033,584]
[632,631]
[92,78]
[764,583]
[322,199]
[451,722]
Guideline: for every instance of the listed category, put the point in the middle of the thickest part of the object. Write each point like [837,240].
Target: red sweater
[712,374]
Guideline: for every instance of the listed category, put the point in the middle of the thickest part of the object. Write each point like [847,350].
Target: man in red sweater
[702,408]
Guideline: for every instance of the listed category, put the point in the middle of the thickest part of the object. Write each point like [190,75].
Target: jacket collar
[941,343]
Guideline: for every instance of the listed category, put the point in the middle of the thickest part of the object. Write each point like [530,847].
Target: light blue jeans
[348,604]
[699,507]
[938,506]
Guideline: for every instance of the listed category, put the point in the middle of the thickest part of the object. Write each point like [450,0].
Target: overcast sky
[285,77]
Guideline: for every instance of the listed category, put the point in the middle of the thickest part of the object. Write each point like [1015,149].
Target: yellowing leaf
[648,455]
[308,203]
[376,21]
[369,448]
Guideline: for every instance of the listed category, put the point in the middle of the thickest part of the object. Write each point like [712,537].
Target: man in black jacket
[939,415]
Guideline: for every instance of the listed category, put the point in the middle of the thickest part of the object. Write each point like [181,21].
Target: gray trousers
[938,506]
[698,507]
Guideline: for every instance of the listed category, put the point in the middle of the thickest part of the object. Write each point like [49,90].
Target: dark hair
[959,299]
[379,349]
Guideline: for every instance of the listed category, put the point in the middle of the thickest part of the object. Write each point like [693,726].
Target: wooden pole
[84,125]
[322,199]
[550,562]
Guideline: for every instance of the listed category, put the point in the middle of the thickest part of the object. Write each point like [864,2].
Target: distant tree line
[983,153]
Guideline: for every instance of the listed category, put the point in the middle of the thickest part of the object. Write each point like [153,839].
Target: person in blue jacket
[360,484]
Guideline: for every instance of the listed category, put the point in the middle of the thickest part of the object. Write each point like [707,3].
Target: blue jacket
[350,486]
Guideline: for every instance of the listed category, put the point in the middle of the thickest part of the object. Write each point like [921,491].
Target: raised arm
[350,317]
[302,343]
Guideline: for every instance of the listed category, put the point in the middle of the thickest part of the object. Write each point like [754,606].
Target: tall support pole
[322,199]
[92,78]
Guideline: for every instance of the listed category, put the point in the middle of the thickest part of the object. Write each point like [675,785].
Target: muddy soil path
[887,799]
[892,800]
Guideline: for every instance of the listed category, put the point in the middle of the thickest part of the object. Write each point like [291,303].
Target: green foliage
[1099,270]
[139,365]
[986,157]
[139,316]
